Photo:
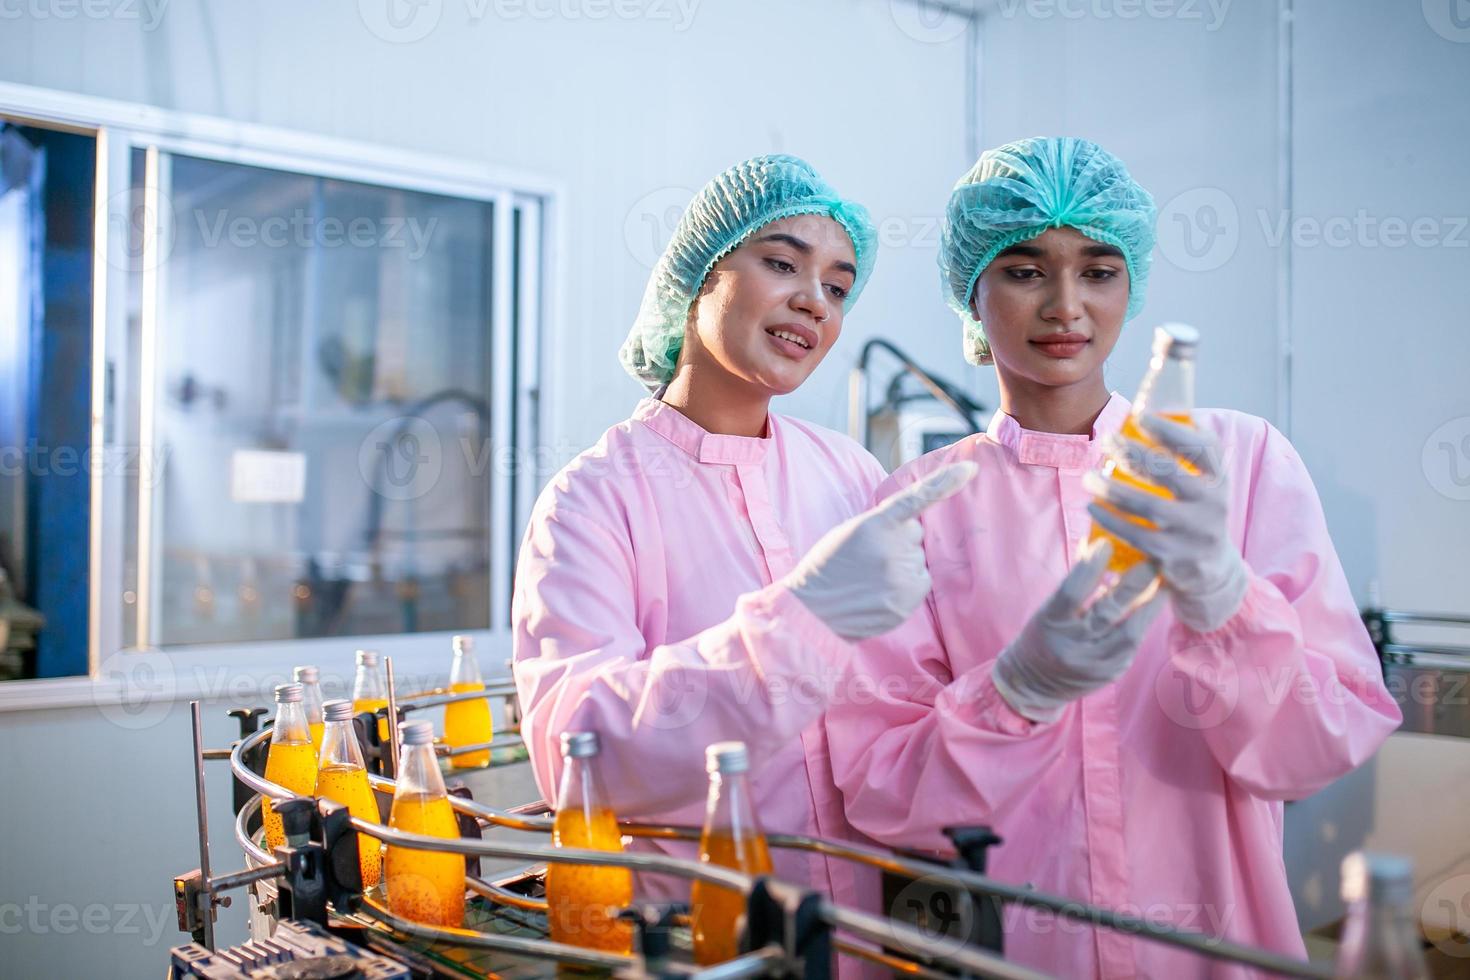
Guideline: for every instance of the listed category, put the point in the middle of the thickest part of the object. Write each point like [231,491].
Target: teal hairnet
[1016,192]
[723,214]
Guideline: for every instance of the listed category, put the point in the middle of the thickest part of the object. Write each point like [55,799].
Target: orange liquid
[716,910]
[348,785]
[425,886]
[583,901]
[317,727]
[292,765]
[373,704]
[1125,556]
[468,723]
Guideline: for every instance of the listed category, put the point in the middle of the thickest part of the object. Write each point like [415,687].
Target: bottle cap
[288,693]
[337,710]
[463,643]
[727,758]
[367,658]
[416,732]
[1383,878]
[579,745]
[1177,340]
[306,675]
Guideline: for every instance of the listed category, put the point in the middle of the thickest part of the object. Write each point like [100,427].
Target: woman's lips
[1061,347]
[794,351]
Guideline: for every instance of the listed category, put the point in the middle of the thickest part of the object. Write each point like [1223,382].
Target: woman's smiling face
[769,312]
[1052,307]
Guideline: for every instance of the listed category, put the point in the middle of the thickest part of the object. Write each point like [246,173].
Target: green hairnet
[1016,192]
[723,214]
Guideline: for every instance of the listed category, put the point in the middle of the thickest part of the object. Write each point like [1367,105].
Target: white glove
[867,574]
[1068,648]
[1190,538]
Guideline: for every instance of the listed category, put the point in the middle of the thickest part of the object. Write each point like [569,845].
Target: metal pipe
[505,896]
[437,698]
[392,715]
[1428,619]
[239,879]
[971,959]
[894,963]
[206,891]
[756,963]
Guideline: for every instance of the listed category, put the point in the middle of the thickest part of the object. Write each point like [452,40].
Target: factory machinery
[311,917]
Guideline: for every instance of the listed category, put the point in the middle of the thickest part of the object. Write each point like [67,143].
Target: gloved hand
[1190,541]
[867,574]
[1068,648]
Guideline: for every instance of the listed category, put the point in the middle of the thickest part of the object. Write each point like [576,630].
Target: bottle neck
[368,685]
[311,700]
[1168,388]
[290,724]
[465,669]
[339,745]
[729,808]
[419,772]
[581,787]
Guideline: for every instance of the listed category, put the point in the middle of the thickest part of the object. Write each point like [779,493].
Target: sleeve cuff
[779,608]
[1259,595]
[975,700]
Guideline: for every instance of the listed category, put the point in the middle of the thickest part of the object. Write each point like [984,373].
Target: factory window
[304,385]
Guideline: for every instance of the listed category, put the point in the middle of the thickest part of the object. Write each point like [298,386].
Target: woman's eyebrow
[805,249]
[1103,251]
[1029,251]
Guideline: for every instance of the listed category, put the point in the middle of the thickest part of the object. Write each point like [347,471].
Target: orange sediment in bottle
[468,723]
[716,911]
[317,728]
[425,886]
[292,765]
[348,785]
[584,900]
[373,704]
[1125,556]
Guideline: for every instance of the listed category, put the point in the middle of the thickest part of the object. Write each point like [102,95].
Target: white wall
[629,116]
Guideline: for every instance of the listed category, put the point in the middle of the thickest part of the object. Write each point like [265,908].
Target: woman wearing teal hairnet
[1131,757]
[662,598]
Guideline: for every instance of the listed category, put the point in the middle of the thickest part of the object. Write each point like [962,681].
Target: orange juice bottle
[1167,390]
[290,761]
[467,722]
[732,838]
[311,699]
[342,776]
[425,886]
[369,692]
[584,900]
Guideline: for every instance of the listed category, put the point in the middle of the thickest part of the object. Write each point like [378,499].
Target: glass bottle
[369,692]
[584,900]
[290,762]
[732,838]
[425,886]
[342,776]
[311,699]
[1167,390]
[467,722]
[1380,940]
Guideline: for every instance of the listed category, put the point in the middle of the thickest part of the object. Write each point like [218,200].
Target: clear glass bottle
[290,761]
[467,722]
[1380,940]
[732,838]
[369,691]
[1167,390]
[311,699]
[342,776]
[425,886]
[584,900]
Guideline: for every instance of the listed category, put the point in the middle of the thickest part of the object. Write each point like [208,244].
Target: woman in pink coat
[662,598]
[1132,762]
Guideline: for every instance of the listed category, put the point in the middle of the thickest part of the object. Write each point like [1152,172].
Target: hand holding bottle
[1187,535]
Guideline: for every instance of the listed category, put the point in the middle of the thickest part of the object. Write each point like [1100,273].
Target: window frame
[522,324]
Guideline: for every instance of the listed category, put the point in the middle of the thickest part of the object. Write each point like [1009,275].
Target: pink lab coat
[644,610]
[1159,795]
